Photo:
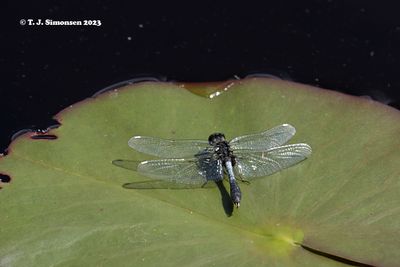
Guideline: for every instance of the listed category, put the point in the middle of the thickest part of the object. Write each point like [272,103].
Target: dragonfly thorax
[221,147]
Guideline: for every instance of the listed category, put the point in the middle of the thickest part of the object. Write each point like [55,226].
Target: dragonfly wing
[153,183]
[257,164]
[164,148]
[274,137]
[195,171]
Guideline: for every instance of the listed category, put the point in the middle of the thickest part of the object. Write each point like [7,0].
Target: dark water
[350,47]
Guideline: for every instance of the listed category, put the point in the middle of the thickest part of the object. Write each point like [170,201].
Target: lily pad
[66,205]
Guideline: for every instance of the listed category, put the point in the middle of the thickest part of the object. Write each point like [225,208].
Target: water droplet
[44,137]
[5,178]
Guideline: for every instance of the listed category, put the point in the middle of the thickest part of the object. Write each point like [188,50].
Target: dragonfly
[198,162]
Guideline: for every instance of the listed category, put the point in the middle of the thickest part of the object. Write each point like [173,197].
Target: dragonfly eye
[216,138]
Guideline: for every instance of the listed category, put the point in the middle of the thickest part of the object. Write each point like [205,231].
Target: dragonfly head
[216,138]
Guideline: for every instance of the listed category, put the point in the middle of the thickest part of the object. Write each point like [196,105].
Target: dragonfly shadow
[160,184]
[227,203]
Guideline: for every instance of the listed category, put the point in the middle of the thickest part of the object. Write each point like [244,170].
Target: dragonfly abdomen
[236,194]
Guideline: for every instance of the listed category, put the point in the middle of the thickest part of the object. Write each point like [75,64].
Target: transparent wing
[257,164]
[274,137]
[153,183]
[197,170]
[164,148]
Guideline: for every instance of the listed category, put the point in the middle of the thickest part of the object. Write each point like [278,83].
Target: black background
[348,46]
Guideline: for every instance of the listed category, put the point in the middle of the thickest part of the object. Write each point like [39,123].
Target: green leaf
[66,204]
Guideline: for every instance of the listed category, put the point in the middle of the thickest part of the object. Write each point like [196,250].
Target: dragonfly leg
[243,180]
[203,185]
